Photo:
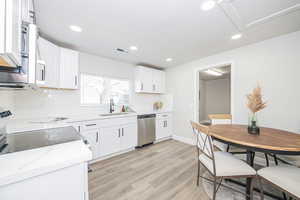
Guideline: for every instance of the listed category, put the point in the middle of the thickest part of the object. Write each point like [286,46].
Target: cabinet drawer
[163,115]
[88,125]
[117,121]
[95,124]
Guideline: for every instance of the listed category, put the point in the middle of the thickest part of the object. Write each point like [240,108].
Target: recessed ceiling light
[213,72]
[76,28]
[236,36]
[133,48]
[169,59]
[208,5]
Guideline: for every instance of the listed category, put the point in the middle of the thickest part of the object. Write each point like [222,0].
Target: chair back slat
[220,119]
[204,140]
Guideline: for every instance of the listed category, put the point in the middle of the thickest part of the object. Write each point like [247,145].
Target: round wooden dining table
[273,141]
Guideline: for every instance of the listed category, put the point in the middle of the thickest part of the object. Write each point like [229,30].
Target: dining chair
[220,119]
[284,177]
[219,164]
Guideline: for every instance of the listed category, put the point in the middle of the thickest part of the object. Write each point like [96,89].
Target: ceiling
[170,28]
[225,70]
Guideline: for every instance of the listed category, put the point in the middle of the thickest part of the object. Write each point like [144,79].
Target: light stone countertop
[22,165]
[30,124]
[26,164]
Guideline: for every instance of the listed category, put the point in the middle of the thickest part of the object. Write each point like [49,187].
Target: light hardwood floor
[163,171]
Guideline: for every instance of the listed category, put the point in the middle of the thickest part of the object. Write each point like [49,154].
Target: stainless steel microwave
[15,74]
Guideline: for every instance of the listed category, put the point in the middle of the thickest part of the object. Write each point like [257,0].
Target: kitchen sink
[114,114]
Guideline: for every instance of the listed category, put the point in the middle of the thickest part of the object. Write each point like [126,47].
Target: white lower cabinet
[115,139]
[163,125]
[109,136]
[66,183]
[128,136]
[109,140]
[92,136]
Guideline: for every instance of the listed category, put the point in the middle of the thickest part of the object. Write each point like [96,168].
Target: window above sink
[98,90]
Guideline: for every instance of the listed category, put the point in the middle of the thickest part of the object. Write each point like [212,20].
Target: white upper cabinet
[69,61]
[48,74]
[148,80]
[158,81]
[143,79]
[10,32]
[60,67]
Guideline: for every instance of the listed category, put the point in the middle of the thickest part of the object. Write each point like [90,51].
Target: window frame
[108,77]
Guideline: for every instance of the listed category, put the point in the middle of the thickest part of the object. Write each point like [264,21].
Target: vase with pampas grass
[255,104]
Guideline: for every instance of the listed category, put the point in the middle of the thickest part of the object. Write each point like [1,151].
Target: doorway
[214,91]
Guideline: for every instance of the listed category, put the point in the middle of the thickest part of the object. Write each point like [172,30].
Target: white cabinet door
[109,140]
[162,87]
[128,136]
[69,68]
[50,54]
[158,81]
[160,129]
[67,183]
[148,80]
[92,136]
[10,33]
[163,128]
[143,80]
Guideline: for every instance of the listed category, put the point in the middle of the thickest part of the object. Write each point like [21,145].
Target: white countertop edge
[84,155]
[97,117]
[153,112]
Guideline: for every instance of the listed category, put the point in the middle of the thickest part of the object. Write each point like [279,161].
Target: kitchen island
[45,166]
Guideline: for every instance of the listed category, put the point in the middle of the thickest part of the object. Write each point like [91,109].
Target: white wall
[274,63]
[217,97]
[49,102]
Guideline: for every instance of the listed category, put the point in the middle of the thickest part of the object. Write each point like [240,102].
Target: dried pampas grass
[255,102]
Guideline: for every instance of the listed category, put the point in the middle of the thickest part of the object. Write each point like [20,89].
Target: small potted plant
[255,104]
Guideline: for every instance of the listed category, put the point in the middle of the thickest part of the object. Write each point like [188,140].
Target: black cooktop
[39,138]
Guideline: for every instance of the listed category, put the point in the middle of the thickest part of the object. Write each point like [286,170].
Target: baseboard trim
[111,155]
[162,139]
[189,141]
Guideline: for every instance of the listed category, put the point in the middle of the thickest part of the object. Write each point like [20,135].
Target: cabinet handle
[97,137]
[90,124]
[75,80]
[119,132]
[153,87]
[122,131]
[79,129]
[166,123]
[44,72]
[142,86]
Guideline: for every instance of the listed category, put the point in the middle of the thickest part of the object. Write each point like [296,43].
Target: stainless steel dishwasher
[146,129]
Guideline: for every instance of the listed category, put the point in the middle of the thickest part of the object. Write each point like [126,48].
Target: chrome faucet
[111,106]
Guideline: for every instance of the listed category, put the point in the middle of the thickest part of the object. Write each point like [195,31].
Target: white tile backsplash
[52,102]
